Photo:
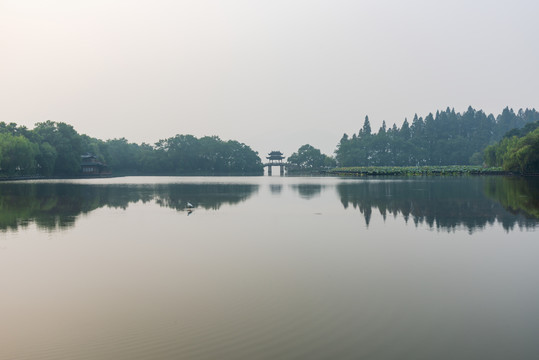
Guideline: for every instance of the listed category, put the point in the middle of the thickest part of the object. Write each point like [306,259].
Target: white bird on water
[190,208]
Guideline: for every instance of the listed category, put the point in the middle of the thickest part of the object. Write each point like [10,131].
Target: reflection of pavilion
[275,159]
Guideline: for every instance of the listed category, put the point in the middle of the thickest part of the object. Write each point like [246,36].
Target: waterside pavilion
[275,159]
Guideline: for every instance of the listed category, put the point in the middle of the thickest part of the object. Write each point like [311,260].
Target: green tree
[67,143]
[523,155]
[17,155]
[309,158]
[46,159]
[366,129]
[447,138]
[185,154]
[123,157]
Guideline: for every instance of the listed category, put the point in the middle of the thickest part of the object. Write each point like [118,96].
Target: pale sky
[272,74]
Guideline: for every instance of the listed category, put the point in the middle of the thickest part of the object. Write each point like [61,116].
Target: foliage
[17,154]
[55,149]
[445,138]
[67,143]
[46,158]
[516,154]
[415,170]
[210,155]
[520,132]
[309,158]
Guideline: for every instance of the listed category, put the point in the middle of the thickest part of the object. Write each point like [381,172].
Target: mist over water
[269,267]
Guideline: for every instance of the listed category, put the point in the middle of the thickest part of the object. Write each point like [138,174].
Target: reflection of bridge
[275,159]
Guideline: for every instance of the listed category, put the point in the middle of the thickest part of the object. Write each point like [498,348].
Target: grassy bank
[416,170]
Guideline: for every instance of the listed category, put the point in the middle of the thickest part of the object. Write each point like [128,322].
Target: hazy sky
[272,74]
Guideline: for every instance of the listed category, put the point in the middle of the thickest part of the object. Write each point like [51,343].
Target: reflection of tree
[517,195]
[207,196]
[276,188]
[308,191]
[56,205]
[440,203]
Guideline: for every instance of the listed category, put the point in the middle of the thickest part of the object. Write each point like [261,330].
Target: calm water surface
[270,268]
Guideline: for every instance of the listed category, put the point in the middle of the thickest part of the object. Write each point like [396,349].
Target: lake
[270,268]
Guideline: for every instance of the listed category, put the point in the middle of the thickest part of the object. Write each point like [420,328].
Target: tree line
[55,149]
[444,138]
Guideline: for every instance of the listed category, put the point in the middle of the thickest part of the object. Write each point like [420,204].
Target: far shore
[356,171]
[449,170]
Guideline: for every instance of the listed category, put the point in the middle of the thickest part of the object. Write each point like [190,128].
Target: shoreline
[446,170]
[355,171]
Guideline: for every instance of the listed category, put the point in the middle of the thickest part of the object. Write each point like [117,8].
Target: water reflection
[442,203]
[206,196]
[517,195]
[57,205]
[446,203]
[308,191]
[276,188]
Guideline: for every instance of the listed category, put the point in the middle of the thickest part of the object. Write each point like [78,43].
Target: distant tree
[446,138]
[123,156]
[46,159]
[529,127]
[66,142]
[17,154]
[404,132]
[242,159]
[523,156]
[185,154]
[366,129]
[506,121]
[55,149]
[310,158]
[518,154]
